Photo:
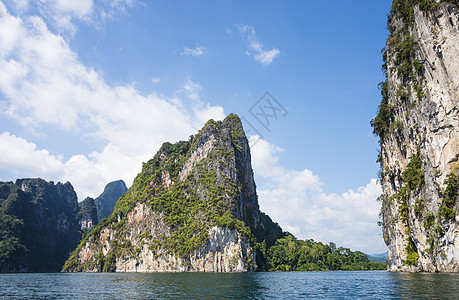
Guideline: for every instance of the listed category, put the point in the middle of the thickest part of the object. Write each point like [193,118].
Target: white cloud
[78,8]
[195,52]
[155,80]
[255,47]
[62,14]
[192,89]
[43,84]
[19,155]
[296,201]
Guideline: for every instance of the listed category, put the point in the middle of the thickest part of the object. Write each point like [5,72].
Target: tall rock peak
[107,200]
[418,126]
[193,207]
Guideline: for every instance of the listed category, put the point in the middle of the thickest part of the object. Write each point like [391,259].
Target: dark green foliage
[290,254]
[429,221]
[414,173]
[449,196]
[266,237]
[100,261]
[419,207]
[381,123]
[110,263]
[38,225]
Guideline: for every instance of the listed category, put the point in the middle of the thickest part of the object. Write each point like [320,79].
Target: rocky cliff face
[107,200]
[38,225]
[192,208]
[418,125]
[87,214]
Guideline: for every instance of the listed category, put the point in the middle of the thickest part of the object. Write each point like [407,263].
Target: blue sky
[90,89]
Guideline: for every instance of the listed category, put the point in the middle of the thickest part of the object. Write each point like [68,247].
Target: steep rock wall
[418,123]
[38,225]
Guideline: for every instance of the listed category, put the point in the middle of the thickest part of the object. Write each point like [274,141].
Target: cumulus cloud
[255,47]
[43,85]
[19,155]
[296,200]
[195,52]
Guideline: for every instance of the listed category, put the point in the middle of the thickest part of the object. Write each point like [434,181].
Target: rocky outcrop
[418,125]
[107,200]
[192,208]
[225,250]
[87,214]
[38,225]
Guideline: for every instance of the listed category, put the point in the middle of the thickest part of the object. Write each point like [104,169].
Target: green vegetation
[413,181]
[414,173]
[449,197]
[412,253]
[385,115]
[290,254]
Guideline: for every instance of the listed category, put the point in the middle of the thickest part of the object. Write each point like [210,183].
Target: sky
[90,89]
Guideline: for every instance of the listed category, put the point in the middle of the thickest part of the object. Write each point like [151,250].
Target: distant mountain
[38,225]
[381,257]
[107,200]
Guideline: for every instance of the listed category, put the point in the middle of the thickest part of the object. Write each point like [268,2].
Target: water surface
[288,285]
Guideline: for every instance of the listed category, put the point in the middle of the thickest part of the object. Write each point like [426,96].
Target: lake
[288,285]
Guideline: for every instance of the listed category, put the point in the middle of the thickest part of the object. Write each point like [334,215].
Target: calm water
[343,285]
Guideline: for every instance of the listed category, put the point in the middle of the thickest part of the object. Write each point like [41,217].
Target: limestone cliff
[193,207]
[418,125]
